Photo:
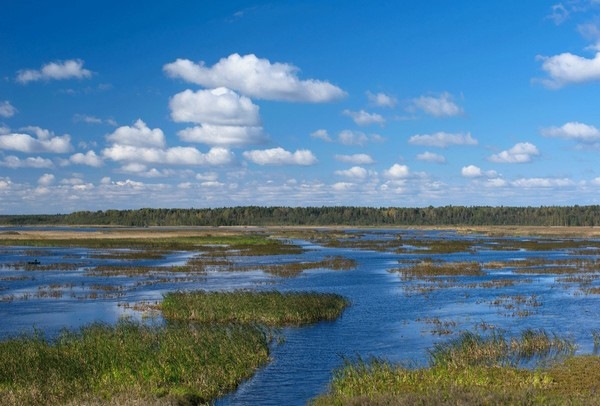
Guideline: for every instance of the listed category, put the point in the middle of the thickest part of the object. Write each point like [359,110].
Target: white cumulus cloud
[437,106]
[321,134]
[46,179]
[364,118]
[219,106]
[397,171]
[348,137]
[573,131]
[141,145]
[279,156]
[138,135]
[342,186]
[471,171]
[255,77]
[89,158]
[381,99]
[442,139]
[356,172]
[59,70]
[5,183]
[431,157]
[172,156]
[567,68]
[223,135]
[522,152]
[42,141]
[14,162]
[495,183]
[357,159]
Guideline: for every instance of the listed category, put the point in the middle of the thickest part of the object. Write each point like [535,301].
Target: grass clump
[292,269]
[431,268]
[130,362]
[473,370]
[268,308]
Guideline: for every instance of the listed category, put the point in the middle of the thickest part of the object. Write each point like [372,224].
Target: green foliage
[268,308]
[130,361]
[341,215]
[473,370]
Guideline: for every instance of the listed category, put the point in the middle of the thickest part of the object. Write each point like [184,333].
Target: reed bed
[269,308]
[100,363]
[476,370]
[292,269]
[433,269]
[495,350]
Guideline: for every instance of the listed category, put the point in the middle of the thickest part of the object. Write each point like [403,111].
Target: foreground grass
[130,362]
[268,308]
[474,370]
[180,363]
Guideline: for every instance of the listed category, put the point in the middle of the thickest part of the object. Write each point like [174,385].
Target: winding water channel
[387,318]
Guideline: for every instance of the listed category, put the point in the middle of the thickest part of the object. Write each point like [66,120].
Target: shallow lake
[390,316]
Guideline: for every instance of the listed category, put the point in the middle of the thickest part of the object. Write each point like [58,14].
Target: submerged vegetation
[268,308]
[473,369]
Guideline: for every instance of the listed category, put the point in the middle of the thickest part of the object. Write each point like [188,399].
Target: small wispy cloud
[59,70]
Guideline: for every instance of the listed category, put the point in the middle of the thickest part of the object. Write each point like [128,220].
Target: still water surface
[386,317]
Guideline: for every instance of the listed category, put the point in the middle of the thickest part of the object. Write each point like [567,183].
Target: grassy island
[267,308]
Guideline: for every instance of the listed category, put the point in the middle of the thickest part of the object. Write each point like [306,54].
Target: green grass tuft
[268,308]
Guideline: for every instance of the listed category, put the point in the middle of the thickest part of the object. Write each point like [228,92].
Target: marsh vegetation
[411,290]
[473,369]
[181,362]
[130,362]
[269,308]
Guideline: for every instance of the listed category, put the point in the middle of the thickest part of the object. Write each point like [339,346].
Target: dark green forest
[323,216]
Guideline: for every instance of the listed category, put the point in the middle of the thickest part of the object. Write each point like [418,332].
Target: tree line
[323,216]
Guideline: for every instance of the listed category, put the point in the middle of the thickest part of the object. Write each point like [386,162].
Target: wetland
[321,306]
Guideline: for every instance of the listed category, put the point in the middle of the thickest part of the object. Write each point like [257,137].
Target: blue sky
[209,104]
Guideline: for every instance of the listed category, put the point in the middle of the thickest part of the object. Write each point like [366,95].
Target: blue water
[387,317]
